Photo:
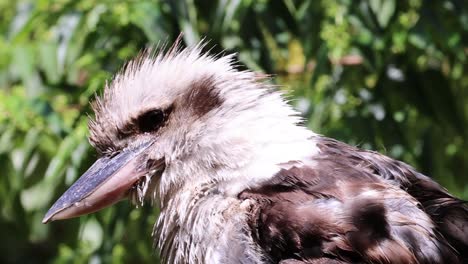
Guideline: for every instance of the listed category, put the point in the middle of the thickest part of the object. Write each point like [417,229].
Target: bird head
[173,119]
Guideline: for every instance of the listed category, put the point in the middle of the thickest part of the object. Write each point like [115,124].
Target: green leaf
[383,10]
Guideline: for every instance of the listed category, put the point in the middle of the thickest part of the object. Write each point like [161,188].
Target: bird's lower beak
[103,184]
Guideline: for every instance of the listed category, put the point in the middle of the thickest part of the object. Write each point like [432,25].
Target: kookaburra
[238,179]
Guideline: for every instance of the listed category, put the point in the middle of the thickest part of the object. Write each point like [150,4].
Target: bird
[238,178]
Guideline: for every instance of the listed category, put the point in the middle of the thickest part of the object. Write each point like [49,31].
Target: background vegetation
[382,74]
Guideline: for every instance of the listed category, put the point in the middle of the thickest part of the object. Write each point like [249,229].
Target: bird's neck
[204,212]
[201,225]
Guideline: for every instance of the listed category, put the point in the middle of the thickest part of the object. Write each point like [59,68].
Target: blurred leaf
[383,10]
[91,234]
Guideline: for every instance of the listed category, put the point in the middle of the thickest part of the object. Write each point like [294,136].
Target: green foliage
[383,74]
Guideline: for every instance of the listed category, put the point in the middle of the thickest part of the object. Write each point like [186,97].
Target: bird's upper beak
[103,184]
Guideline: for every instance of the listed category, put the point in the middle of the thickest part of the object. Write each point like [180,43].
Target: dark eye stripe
[153,120]
[150,121]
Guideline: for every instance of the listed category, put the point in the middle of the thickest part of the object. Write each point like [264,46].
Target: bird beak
[103,184]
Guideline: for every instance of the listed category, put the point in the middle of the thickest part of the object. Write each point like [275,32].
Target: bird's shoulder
[449,214]
[345,205]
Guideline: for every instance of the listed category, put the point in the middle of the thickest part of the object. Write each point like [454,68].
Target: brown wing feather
[448,212]
[346,209]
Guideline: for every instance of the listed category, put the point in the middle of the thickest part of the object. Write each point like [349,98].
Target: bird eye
[151,121]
